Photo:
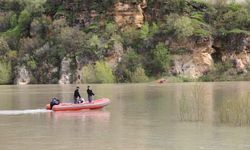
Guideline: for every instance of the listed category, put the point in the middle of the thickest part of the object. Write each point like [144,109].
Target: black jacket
[77,94]
[90,93]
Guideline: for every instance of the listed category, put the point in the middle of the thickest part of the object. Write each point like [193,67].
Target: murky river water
[174,116]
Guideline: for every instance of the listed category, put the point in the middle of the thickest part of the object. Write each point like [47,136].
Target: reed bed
[192,104]
[235,111]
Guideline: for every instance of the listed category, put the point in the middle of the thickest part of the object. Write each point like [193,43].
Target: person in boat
[77,96]
[54,101]
[90,94]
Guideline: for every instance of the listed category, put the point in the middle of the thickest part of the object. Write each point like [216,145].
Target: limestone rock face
[23,76]
[129,14]
[240,67]
[195,61]
[85,18]
[115,57]
[192,66]
[65,73]
[235,47]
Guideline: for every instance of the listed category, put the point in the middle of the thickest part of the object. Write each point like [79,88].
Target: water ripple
[20,112]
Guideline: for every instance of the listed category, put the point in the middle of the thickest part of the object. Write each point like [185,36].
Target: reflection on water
[100,115]
[174,116]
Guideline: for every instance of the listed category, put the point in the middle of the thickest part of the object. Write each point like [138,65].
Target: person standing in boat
[77,95]
[90,94]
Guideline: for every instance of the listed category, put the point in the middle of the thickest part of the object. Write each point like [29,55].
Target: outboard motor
[54,101]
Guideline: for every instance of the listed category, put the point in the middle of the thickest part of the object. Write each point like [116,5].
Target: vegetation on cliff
[40,34]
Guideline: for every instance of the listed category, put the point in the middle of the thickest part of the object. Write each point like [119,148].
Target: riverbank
[65,42]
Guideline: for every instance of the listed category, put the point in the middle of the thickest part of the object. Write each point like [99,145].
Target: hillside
[106,41]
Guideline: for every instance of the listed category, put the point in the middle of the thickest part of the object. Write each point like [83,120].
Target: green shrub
[130,36]
[7,21]
[13,20]
[28,45]
[128,64]
[201,29]
[4,23]
[132,60]
[160,59]
[220,3]
[4,47]
[12,37]
[173,6]
[5,72]
[122,73]
[95,41]
[12,55]
[180,26]
[111,28]
[230,16]
[198,16]
[36,27]
[68,40]
[236,19]
[88,74]
[103,73]
[238,31]
[147,31]
[36,7]
[138,75]
[154,29]
[222,67]
[234,6]
[32,64]
[97,46]
[98,73]
[222,71]
[144,32]
[247,6]
[183,27]
[24,19]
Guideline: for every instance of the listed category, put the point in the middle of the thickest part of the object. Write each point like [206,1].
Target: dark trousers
[75,100]
[90,98]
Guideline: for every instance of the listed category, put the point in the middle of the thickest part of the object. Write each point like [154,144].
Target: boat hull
[96,104]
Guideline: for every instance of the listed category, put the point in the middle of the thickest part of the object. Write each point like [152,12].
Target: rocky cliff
[234,47]
[62,41]
[196,60]
[129,14]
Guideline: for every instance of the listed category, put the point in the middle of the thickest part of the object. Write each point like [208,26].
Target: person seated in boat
[80,100]
[54,101]
[90,94]
[77,96]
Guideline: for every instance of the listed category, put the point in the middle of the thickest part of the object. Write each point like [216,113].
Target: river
[172,116]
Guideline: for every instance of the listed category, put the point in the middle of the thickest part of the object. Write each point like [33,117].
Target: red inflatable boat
[96,104]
